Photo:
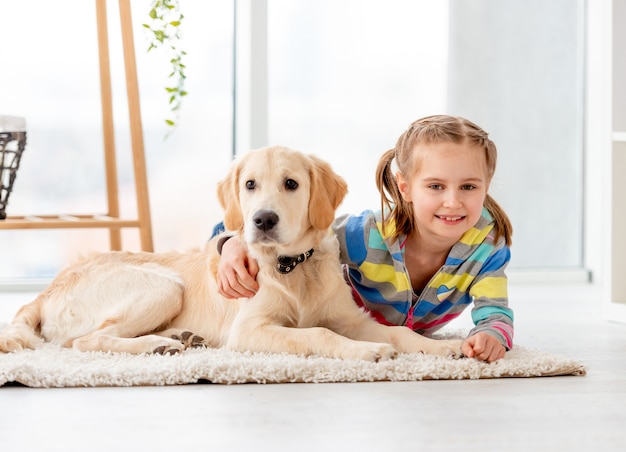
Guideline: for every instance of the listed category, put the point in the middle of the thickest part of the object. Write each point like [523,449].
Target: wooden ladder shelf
[110,220]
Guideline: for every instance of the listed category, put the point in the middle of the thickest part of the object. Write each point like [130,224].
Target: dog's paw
[166,350]
[8,345]
[377,352]
[450,348]
[168,346]
[189,339]
[18,337]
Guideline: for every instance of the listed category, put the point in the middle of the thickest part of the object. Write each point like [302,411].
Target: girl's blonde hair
[432,130]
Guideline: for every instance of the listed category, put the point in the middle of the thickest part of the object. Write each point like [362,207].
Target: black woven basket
[12,146]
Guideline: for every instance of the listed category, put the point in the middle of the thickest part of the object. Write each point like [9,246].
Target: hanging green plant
[164,32]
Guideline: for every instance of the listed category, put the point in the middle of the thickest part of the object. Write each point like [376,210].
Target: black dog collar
[288,263]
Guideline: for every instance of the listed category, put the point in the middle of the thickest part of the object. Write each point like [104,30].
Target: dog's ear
[228,196]
[327,192]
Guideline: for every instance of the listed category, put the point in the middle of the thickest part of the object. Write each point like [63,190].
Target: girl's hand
[236,273]
[484,347]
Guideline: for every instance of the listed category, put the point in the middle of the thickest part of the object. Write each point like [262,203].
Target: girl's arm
[491,313]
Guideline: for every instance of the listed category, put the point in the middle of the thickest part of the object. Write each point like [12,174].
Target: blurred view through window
[346,77]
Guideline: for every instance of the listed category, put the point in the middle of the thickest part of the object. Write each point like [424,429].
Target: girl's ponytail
[395,210]
[502,224]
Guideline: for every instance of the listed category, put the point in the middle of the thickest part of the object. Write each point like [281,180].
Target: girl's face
[447,191]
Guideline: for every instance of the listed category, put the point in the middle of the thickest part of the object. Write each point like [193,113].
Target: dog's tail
[23,332]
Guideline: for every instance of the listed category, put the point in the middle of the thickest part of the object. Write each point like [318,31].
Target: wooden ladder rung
[66,221]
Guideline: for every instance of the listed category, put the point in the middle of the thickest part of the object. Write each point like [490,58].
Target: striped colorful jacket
[472,272]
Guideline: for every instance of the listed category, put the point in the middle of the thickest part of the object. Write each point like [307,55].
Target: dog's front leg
[403,339]
[316,341]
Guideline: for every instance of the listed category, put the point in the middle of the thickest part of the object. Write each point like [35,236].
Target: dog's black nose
[265,220]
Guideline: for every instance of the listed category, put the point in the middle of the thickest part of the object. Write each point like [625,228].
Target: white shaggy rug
[52,366]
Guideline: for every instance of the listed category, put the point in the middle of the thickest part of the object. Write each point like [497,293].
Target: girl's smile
[450,220]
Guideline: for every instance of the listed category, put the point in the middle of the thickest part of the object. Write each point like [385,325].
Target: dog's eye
[250,185]
[291,184]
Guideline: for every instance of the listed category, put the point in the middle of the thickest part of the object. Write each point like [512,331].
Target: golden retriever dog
[282,203]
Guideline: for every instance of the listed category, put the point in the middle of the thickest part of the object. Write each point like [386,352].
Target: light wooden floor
[538,414]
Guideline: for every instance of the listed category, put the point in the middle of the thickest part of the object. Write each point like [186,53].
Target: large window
[344,79]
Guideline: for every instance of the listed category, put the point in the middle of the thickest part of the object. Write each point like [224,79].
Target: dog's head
[278,197]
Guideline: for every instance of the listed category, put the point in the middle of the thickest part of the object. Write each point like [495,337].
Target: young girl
[439,242]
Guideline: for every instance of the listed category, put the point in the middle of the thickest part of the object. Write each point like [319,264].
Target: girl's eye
[435,187]
[468,187]
[250,185]
[291,184]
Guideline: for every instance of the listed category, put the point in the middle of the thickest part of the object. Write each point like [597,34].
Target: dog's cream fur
[281,202]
